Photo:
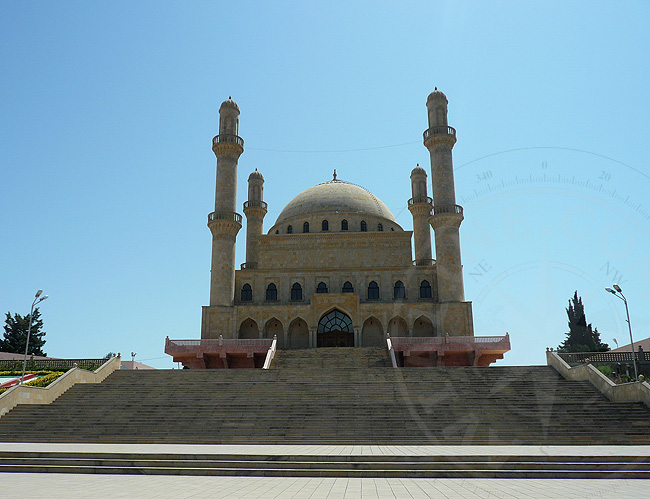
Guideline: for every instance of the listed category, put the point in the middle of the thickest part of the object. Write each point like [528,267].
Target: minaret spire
[225,222]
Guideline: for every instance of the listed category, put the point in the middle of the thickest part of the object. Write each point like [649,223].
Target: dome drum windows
[289,229]
[364,226]
[325,226]
[344,224]
[305,227]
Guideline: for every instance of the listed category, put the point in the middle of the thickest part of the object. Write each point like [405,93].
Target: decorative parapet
[439,130]
[229,216]
[418,200]
[219,352]
[23,394]
[44,364]
[255,204]
[449,208]
[451,350]
[228,139]
[638,391]
[603,357]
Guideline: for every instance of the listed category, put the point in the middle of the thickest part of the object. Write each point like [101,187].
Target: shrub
[606,370]
[45,380]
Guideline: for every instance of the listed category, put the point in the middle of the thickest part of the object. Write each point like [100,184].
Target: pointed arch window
[380,228]
[325,226]
[296,292]
[399,291]
[246,292]
[373,291]
[344,224]
[271,292]
[289,229]
[321,288]
[305,227]
[347,287]
[364,226]
[425,289]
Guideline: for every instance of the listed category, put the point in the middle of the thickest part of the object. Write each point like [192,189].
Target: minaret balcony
[420,199]
[255,204]
[447,208]
[225,215]
[439,130]
[228,138]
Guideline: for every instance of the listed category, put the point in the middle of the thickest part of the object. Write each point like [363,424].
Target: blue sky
[107,174]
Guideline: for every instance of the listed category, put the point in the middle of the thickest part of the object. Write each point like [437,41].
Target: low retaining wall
[22,394]
[627,392]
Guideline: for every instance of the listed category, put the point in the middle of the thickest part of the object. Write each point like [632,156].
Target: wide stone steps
[328,402]
[359,466]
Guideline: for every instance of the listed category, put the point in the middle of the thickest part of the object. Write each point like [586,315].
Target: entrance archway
[335,330]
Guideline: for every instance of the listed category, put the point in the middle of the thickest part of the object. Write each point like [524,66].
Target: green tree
[15,334]
[581,336]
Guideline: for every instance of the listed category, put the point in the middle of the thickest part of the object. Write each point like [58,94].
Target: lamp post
[618,293]
[37,299]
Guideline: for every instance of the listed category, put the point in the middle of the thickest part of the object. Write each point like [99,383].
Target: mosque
[336,269]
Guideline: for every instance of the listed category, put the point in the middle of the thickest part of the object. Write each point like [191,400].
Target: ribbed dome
[229,103]
[334,196]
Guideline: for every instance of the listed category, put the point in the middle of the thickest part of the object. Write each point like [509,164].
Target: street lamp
[37,299]
[618,293]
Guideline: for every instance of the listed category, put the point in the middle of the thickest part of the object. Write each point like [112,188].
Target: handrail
[271,353]
[439,130]
[255,204]
[636,391]
[253,342]
[420,199]
[391,352]
[25,394]
[447,208]
[224,215]
[437,340]
[580,357]
[228,137]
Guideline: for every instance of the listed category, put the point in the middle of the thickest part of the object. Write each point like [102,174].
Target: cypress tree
[582,337]
[15,335]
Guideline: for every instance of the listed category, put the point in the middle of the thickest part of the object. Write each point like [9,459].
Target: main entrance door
[335,330]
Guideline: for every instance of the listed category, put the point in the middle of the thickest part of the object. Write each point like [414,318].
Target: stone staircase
[333,396]
[326,465]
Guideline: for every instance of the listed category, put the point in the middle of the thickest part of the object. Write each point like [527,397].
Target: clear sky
[107,112]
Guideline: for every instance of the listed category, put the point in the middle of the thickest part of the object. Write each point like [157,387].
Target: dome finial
[334,173]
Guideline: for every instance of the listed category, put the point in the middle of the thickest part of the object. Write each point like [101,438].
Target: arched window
[335,321]
[399,291]
[296,292]
[289,230]
[364,227]
[321,288]
[246,292]
[373,291]
[425,289]
[392,229]
[325,226]
[277,231]
[305,227]
[380,228]
[347,287]
[344,225]
[271,292]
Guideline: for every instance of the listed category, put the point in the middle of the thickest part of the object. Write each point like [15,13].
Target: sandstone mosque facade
[335,268]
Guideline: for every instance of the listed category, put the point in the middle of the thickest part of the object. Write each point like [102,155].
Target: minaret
[224,222]
[255,210]
[446,216]
[420,207]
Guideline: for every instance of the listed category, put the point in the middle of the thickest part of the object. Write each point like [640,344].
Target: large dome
[335,196]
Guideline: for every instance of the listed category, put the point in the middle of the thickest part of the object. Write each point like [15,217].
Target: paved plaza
[30,485]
